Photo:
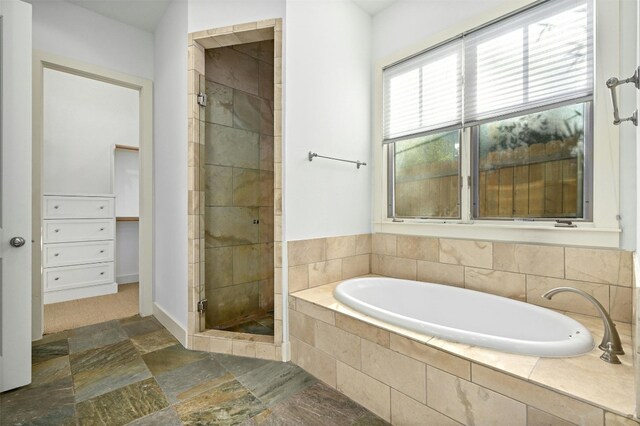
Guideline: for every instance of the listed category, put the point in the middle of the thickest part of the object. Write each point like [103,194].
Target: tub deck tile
[577,378]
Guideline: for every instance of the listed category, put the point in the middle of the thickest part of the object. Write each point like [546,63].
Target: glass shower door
[237,156]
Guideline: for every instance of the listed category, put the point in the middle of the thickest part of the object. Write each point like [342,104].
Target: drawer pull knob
[57,230]
[101,207]
[101,251]
[56,207]
[56,278]
[102,229]
[56,254]
[101,273]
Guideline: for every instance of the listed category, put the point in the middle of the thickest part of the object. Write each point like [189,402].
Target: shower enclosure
[239,187]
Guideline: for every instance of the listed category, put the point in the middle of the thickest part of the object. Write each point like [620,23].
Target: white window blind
[423,93]
[541,56]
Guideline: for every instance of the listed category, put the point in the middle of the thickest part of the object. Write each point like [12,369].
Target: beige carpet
[92,310]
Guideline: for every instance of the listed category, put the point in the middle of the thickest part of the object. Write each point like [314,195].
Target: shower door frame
[198,338]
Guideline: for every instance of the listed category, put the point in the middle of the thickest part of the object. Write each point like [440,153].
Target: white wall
[127,182]
[74,32]
[407,22]
[628,144]
[207,14]
[127,191]
[127,270]
[170,163]
[327,100]
[83,120]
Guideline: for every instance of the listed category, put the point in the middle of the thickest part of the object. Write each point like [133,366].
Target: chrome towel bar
[358,163]
[612,83]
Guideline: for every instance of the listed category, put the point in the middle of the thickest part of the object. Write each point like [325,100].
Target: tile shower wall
[239,186]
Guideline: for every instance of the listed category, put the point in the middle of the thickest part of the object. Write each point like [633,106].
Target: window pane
[532,166]
[427,176]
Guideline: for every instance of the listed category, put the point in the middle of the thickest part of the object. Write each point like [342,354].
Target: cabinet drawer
[59,231]
[65,254]
[58,207]
[78,276]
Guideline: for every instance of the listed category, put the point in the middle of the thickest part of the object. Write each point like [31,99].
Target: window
[531,166]
[520,89]
[427,176]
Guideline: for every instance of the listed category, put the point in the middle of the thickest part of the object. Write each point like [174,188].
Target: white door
[15,195]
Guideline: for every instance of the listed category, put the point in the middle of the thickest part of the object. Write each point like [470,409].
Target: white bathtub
[467,316]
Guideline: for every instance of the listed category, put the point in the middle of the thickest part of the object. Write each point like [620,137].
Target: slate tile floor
[133,371]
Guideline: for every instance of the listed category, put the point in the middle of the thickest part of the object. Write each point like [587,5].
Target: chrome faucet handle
[609,355]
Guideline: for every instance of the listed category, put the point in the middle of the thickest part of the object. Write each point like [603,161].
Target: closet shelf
[128,147]
[127,219]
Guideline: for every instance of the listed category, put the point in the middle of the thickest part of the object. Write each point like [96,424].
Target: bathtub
[466,316]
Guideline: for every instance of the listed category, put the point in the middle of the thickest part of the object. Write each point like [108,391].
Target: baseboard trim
[128,279]
[170,324]
[64,295]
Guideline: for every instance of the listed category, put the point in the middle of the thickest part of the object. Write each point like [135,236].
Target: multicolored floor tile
[133,372]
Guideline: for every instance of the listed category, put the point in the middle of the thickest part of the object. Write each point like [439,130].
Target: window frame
[604,228]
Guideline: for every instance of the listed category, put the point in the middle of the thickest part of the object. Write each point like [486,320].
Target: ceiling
[373,6]
[142,14]
[146,14]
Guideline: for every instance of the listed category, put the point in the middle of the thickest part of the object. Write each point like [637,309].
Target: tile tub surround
[197,155]
[518,271]
[239,183]
[141,375]
[408,378]
[324,260]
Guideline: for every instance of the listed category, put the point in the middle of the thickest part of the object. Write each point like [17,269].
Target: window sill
[586,234]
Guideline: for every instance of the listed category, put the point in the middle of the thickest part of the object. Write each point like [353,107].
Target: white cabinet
[70,230]
[61,207]
[78,276]
[66,254]
[78,234]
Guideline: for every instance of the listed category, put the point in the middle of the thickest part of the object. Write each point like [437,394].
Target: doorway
[235,190]
[92,199]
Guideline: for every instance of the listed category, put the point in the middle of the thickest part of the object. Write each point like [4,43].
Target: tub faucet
[611,340]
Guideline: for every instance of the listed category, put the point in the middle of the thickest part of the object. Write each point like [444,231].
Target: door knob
[17,241]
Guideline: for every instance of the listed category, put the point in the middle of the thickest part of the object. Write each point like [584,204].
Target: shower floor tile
[149,379]
[262,325]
